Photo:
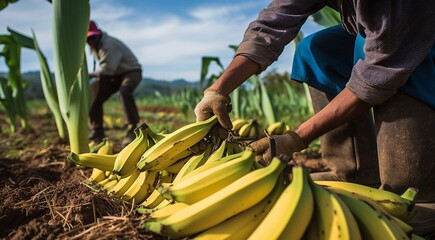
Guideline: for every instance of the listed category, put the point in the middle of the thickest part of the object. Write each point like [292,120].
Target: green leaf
[22,39]
[327,17]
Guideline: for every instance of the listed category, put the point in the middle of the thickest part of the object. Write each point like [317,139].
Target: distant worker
[118,70]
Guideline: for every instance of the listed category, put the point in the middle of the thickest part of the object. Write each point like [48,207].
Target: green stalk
[50,92]
[71,21]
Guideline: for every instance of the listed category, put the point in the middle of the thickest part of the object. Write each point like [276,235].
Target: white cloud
[169,47]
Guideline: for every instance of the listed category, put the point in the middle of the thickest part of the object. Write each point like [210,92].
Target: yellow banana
[109,185]
[104,162]
[401,207]
[254,131]
[152,200]
[277,128]
[208,165]
[335,221]
[193,163]
[177,166]
[373,224]
[216,208]
[125,163]
[161,155]
[202,185]
[245,129]
[167,211]
[141,188]
[243,224]
[291,214]
[106,148]
[96,176]
[124,184]
[238,123]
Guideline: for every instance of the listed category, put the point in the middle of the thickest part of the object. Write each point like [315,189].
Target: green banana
[202,185]
[243,224]
[401,207]
[93,148]
[238,196]
[219,153]
[193,163]
[162,154]
[373,224]
[125,162]
[335,220]
[292,212]
[104,162]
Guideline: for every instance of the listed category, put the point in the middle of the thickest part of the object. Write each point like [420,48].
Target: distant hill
[148,86]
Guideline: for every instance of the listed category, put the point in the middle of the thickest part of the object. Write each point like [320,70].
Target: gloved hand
[285,144]
[214,103]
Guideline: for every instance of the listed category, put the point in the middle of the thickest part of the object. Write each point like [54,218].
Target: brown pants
[125,83]
[393,149]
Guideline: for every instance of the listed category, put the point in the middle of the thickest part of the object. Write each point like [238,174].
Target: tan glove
[214,103]
[285,144]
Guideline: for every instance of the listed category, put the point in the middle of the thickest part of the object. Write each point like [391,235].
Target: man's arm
[240,69]
[343,108]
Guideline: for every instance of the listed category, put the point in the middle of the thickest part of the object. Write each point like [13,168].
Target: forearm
[240,69]
[343,108]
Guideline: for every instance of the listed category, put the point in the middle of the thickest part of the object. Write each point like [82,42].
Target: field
[43,196]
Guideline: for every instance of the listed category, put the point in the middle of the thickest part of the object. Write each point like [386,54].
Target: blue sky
[169,37]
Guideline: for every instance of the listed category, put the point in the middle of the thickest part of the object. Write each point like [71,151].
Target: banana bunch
[247,128]
[235,198]
[264,204]
[278,128]
[175,145]
[193,189]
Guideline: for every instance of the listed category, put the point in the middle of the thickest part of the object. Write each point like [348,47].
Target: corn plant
[70,25]
[12,96]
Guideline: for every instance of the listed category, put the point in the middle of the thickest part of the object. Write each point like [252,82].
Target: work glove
[214,103]
[285,144]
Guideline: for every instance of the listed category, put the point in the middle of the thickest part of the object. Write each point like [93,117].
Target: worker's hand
[285,144]
[214,103]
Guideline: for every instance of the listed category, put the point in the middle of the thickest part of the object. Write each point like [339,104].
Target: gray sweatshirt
[398,36]
[114,57]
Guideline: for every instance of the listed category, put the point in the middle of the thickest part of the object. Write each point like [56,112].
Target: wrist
[296,140]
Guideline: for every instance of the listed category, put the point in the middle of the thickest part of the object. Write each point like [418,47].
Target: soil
[43,195]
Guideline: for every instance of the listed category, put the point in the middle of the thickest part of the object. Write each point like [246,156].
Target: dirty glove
[285,144]
[214,103]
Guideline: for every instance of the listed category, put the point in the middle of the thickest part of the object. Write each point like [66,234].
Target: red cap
[93,29]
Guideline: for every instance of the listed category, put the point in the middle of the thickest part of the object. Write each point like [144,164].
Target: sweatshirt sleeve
[275,27]
[398,36]
[109,59]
